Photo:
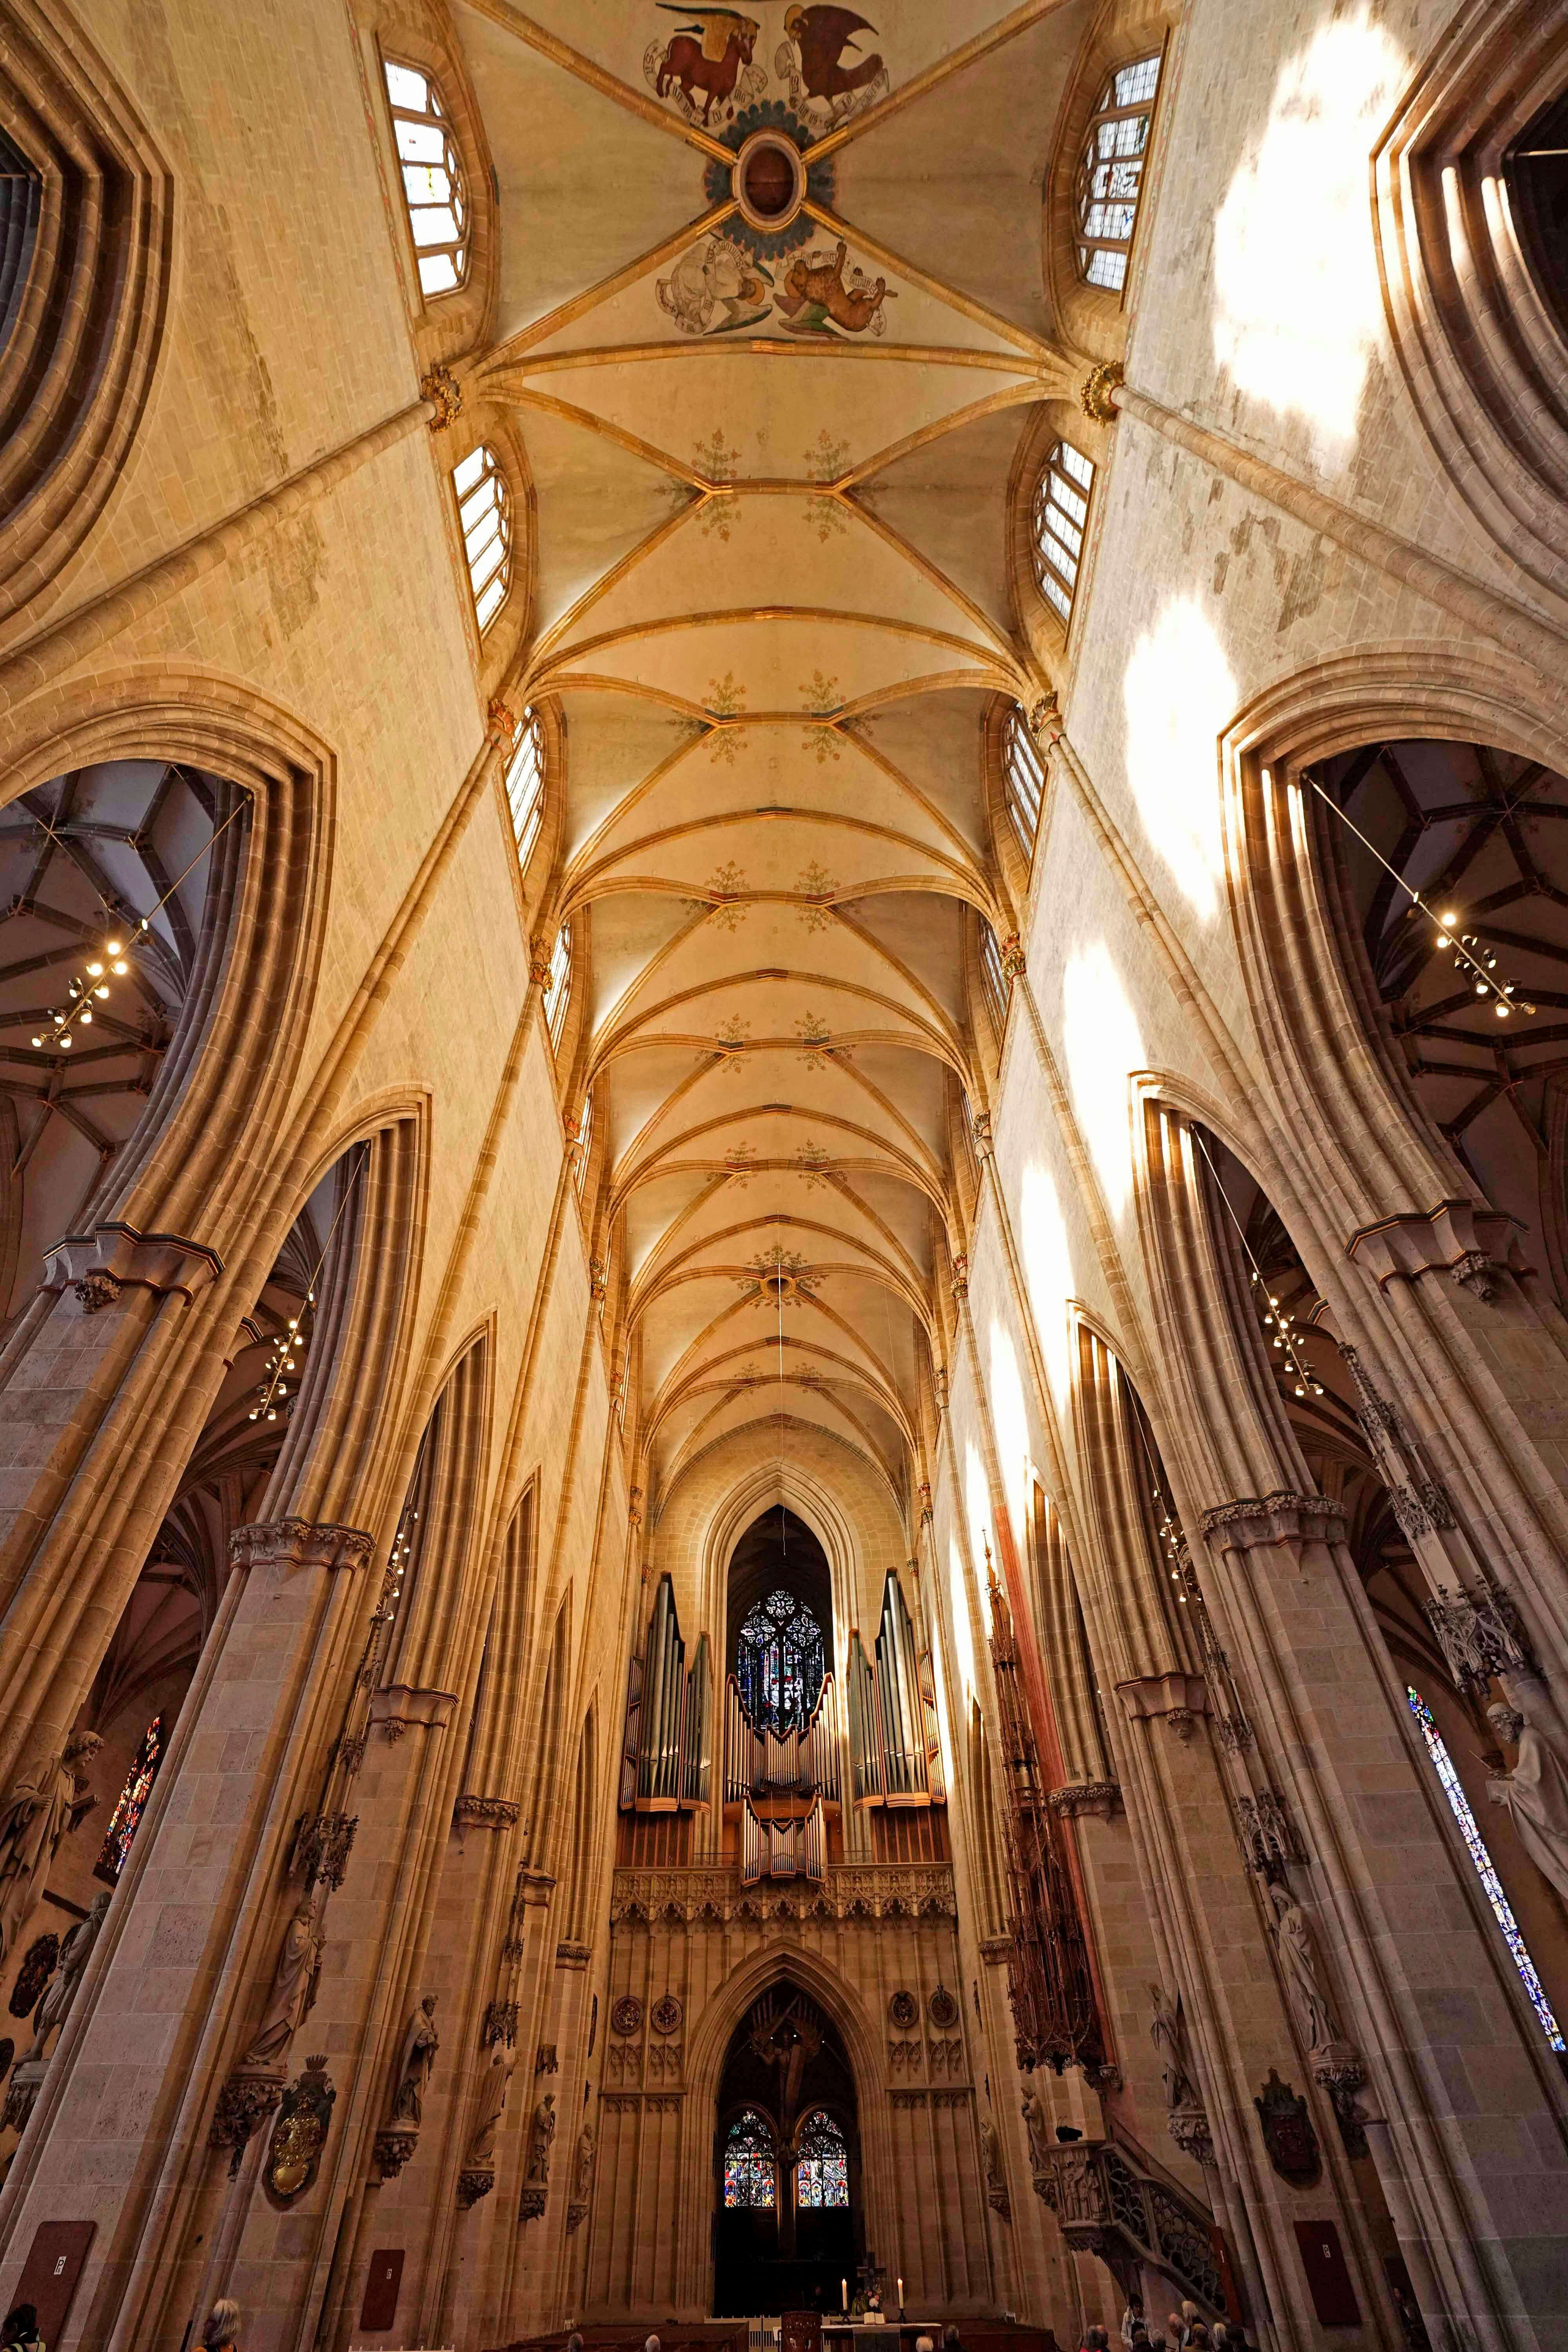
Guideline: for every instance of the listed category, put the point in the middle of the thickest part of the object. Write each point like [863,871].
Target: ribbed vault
[770,456]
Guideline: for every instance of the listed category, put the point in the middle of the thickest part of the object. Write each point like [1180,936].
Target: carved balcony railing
[1107,2203]
[715,1894]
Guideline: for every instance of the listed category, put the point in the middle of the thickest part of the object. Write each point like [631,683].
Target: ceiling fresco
[773,326]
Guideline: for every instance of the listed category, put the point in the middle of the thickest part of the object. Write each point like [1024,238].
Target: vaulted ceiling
[771,423]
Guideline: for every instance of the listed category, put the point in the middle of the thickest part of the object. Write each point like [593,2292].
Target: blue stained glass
[781,1664]
[821,2175]
[1437,1748]
[750,2175]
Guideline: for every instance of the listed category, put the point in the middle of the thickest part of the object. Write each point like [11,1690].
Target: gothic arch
[1484,358]
[709,2040]
[78,365]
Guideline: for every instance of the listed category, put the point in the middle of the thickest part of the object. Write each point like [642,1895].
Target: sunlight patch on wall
[958,1603]
[1047,1272]
[1012,1426]
[977,1503]
[1103,1044]
[1180,693]
[1296,304]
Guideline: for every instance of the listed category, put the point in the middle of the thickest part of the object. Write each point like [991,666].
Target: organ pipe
[803,1761]
[895,1753]
[666,1752]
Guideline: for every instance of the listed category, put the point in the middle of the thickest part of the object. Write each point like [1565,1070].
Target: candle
[844,2293]
[900,2295]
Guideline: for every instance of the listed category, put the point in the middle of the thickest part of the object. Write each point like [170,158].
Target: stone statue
[1536,1794]
[74,1954]
[541,2132]
[494,2084]
[39,1811]
[1168,2032]
[416,2065]
[1039,2128]
[991,2153]
[294,1992]
[583,2179]
[1298,1965]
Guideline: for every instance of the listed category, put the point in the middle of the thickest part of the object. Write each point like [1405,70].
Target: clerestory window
[751,2174]
[1459,1804]
[525,783]
[431,179]
[1022,780]
[484,510]
[781,1664]
[1061,513]
[1110,172]
[994,977]
[558,987]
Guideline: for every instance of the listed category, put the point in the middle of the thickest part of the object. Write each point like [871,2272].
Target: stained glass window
[1437,1748]
[1110,172]
[822,2174]
[750,2174]
[133,1801]
[1061,511]
[994,977]
[431,179]
[781,1664]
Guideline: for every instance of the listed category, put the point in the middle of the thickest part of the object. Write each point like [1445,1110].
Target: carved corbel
[115,1257]
[1097,394]
[298,1543]
[445,393]
[1473,1247]
[1099,1798]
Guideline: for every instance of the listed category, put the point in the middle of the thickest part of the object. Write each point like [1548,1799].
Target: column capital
[399,1704]
[486,1813]
[1077,1797]
[1179,1696]
[1281,1517]
[116,1257]
[298,1543]
[1473,1246]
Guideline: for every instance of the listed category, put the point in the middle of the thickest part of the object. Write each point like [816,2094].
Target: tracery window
[751,2175]
[558,987]
[822,2173]
[1437,1748]
[993,977]
[781,1664]
[525,782]
[431,179]
[1022,780]
[584,1139]
[484,510]
[1061,510]
[132,1803]
[1111,172]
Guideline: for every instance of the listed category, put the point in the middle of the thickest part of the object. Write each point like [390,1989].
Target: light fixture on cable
[1277,1316]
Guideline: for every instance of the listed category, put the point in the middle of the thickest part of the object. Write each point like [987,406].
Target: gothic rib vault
[773,602]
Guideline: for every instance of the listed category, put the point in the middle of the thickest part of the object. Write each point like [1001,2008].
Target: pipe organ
[667,1756]
[793,1848]
[895,1753]
[794,1762]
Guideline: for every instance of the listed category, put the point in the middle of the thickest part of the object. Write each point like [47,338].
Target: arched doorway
[787,2224]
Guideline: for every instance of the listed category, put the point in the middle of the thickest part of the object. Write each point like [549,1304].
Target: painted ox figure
[706,55]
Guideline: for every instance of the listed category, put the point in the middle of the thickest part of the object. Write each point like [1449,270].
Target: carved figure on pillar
[1168,2032]
[74,1954]
[996,2179]
[1536,1794]
[1039,2125]
[36,1815]
[293,1993]
[583,2176]
[415,2067]
[495,2083]
[540,2133]
[1299,1967]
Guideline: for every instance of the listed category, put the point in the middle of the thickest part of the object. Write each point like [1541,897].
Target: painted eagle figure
[714,28]
[822,34]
